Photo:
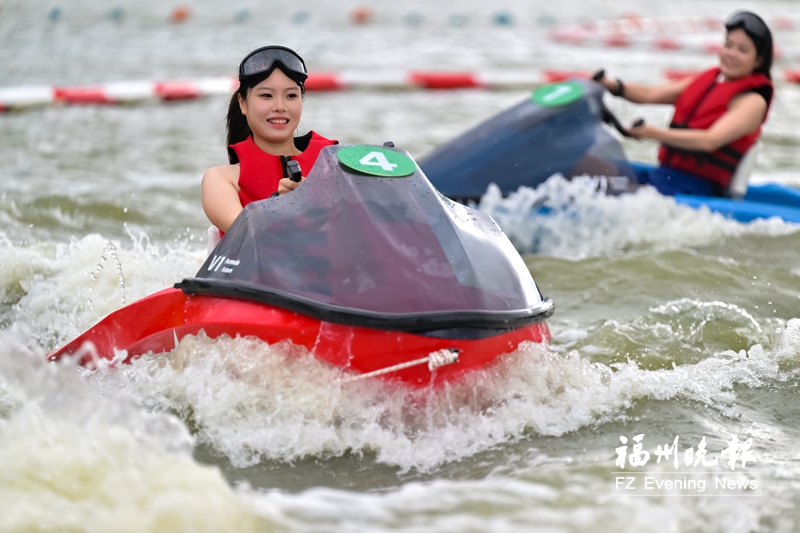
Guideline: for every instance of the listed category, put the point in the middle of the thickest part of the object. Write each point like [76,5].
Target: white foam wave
[73,462]
[573,219]
[255,402]
[542,500]
[60,290]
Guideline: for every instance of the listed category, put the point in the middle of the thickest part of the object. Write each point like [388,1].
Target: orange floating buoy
[361,15]
[667,43]
[675,74]
[632,21]
[180,14]
[782,23]
[324,81]
[617,40]
[555,76]
[445,80]
[792,76]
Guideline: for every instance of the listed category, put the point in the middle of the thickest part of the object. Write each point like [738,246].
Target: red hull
[153,323]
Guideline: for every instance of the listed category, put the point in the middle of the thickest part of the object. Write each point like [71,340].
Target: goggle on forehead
[751,24]
[264,59]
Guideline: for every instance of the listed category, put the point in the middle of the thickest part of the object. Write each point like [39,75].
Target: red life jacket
[703,102]
[260,172]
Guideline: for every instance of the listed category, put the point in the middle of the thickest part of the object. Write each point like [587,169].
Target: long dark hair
[236,122]
[758,32]
[765,54]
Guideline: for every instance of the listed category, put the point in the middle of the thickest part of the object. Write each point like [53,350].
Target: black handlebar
[608,116]
[293,170]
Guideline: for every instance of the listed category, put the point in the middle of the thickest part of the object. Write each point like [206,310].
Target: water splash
[573,219]
[110,251]
[254,402]
[72,461]
[48,286]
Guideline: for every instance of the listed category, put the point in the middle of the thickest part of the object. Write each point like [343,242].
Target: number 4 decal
[378,159]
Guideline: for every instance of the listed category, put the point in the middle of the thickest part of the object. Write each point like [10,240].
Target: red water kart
[371,269]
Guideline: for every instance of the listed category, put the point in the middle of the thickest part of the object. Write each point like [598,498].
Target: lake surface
[670,323]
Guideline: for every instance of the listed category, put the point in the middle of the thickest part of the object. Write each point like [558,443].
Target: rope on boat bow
[439,358]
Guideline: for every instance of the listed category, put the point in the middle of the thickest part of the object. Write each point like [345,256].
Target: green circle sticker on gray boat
[377,161]
[557,94]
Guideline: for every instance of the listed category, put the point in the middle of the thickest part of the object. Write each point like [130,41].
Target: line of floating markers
[132,92]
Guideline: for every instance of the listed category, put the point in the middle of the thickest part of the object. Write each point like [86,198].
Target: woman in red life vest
[718,113]
[263,116]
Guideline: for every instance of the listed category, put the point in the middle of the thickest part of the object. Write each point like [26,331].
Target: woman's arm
[220,196]
[744,115]
[643,94]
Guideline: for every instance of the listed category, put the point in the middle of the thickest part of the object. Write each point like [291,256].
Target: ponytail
[237,127]
[766,55]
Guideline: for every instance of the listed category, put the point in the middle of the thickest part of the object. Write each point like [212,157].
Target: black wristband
[273,195]
[620,89]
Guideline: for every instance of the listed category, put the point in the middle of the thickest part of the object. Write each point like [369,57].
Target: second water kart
[365,264]
[562,129]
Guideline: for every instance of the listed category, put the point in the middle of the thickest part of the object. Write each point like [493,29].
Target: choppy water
[670,322]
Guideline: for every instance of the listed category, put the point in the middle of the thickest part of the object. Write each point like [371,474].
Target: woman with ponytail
[263,117]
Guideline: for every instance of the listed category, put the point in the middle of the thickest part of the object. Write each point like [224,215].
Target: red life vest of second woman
[700,105]
[260,172]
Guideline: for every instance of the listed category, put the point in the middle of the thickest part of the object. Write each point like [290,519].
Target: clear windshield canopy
[388,252]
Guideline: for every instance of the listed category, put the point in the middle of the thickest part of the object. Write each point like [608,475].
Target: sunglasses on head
[751,23]
[264,59]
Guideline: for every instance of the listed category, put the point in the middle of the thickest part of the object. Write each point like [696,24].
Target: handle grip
[293,170]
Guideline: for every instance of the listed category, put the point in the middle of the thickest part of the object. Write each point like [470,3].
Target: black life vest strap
[284,162]
[710,158]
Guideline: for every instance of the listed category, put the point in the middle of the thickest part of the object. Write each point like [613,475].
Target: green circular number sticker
[377,161]
[557,94]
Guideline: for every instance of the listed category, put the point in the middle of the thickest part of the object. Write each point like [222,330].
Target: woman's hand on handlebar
[601,78]
[639,129]
[287,185]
